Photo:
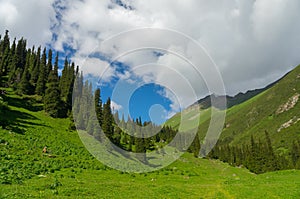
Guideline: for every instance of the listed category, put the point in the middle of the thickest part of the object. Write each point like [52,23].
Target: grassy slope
[258,114]
[74,173]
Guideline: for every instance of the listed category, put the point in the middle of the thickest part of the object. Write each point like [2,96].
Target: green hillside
[275,110]
[69,171]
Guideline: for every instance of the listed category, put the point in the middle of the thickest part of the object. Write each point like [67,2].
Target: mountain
[231,101]
[274,109]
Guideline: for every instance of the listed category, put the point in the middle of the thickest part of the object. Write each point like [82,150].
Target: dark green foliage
[28,71]
[82,104]
[49,63]
[35,67]
[52,100]
[295,154]
[258,157]
[107,123]
[17,64]
[24,85]
[98,106]
[41,82]
[4,54]
[66,86]
[195,146]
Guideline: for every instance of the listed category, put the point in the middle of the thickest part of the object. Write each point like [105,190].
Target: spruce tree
[36,68]
[107,122]
[24,85]
[52,101]
[41,82]
[63,84]
[49,63]
[5,51]
[98,105]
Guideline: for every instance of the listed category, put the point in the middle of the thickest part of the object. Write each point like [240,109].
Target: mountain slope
[275,110]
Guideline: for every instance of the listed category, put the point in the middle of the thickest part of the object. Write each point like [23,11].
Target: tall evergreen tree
[4,53]
[107,123]
[52,101]
[49,63]
[24,85]
[56,64]
[41,82]
[195,146]
[98,105]
[35,68]
[63,84]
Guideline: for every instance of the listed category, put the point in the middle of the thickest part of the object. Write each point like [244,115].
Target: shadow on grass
[135,158]
[29,103]
[18,121]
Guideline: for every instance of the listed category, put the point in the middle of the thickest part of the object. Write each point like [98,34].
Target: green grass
[73,173]
[187,178]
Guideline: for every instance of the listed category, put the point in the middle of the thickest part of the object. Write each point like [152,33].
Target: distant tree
[107,122]
[270,157]
[98,105]
[295,153]
[195,146]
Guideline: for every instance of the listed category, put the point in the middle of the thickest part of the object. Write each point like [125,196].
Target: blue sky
[252,43]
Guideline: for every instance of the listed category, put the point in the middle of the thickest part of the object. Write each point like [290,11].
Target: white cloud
[115,107]
[252,42]
[29,19]
[96,67]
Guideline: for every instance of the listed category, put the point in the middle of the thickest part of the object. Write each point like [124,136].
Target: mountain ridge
[232,100]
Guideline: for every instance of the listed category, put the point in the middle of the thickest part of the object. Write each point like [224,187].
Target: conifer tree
[107,122]
[36,68]
[49,63]
[41,82]
[98,105]
[24,85]
[52,101]
[295,153]
[4,54]
[195,146]
[63,84]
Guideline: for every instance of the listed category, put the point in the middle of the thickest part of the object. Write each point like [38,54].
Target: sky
[251,44]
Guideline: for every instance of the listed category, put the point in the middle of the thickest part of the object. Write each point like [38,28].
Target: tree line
[120,131]
[258,156]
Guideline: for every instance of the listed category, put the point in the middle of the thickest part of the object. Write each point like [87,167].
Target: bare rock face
[289,104]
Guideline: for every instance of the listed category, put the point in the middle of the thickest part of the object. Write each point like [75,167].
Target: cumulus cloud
[29,19]
[252,42]
[115,107]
